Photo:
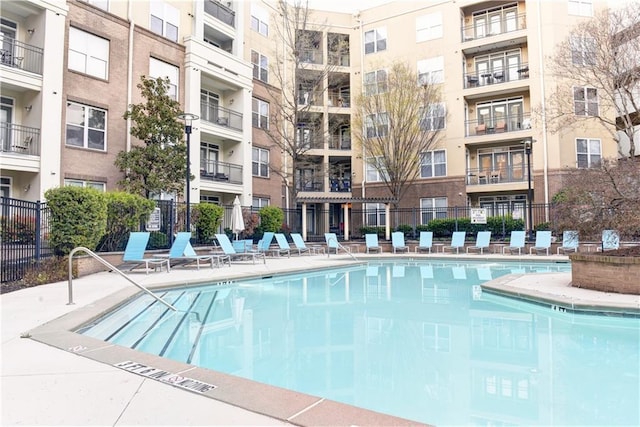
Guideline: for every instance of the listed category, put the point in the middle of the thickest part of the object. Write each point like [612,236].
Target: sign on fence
[155,219]
[478,215]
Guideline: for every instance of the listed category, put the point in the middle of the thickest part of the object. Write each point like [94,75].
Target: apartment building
[488,57]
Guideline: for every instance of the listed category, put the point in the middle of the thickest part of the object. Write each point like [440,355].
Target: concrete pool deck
[46,381]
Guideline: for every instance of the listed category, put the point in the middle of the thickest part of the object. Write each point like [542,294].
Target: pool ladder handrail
[112,268]
[339,245]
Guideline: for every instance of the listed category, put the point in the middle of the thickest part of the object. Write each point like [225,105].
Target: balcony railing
[220,12]
[497,76]
[339,99]
[221,116]
[516,173]
[489,28]
[310,185]
[19,139]
[337,142]
[339,58]
[498,126]
[311,56]
[20,55]
[340,185]
[309,97]
[220,172]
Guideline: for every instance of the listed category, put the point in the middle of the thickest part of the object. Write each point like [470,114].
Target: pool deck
[50,376]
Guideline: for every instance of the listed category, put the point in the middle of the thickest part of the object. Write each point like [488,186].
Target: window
[5,187]
[433,163]
[375,82]
[259,113]
[588,152]
[376,214]
[583,50]
[377,125]
[102,4]
[88,54]
[375,40]
[259,20]
[164,20]
[209,103]
[86,126]
[431,70]
[585,101]
[429,27]
[433,208]
[433,117]
[259,202]
[260,66]
[100,186]
[376,170]
[581,7]
[260,162]
[159,68]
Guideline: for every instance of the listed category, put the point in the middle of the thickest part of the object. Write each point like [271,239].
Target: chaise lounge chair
[397,241]
[570,242]
[134,253]
[371,241]
[610,240]
[182,253]
[516,243]
[457,241]
[426,242]
[543,242]
[301,247]
[227,248]
[284,247]
[483,239]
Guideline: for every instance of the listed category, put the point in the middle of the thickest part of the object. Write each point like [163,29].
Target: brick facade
[606,273]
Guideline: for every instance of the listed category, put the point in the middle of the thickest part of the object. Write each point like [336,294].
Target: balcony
[498,125]
[340,185]
[339,99]
[493,77]
[487,28]
[22,56]
[310,185]
[220,12]
[220,172]
[309,97]
[311,56]
[221,116]
[18,139]
[516,173]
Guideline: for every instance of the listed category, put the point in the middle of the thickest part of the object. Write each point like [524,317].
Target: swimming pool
[412,339]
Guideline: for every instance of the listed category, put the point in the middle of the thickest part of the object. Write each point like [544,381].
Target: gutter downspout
[545,140]
[129,71]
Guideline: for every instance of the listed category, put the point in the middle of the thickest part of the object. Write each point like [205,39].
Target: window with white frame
[259,19]
[164,20]
[375,169]
[375,40]
[5,186]
[433,208]
[259,202]
[207,198]
[588,152]
[86,126]
[585,101]
[260,162]
[429,27]
[100,186]
[375,214]
[433,163]
[260,66]
[581,7]
[259,113]
[88,54]
[377,125]
[436,337]
[163,69]
[375,82]
[583,50]
[433,117]
[431,70]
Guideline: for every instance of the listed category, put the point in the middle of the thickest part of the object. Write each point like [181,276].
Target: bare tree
[598,70]
[300,75]
[397,120]
[597,199]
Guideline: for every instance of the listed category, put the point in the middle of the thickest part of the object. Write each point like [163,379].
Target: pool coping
[290,406]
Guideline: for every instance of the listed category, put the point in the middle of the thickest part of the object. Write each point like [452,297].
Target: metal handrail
[111,267]
[340,246]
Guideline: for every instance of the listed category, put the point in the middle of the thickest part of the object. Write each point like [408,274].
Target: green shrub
[18,229]
[158,240]
[125,213]
[406,229]
[446,227]
[78,218]
[49,270]
[368,229]
[207,220]
[271,218]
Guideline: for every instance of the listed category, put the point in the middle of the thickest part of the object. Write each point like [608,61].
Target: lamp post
[527,149]
[188,119]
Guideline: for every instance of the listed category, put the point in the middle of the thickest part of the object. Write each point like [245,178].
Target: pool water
[414,339]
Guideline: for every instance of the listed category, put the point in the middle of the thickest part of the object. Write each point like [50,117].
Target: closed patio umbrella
[237,221]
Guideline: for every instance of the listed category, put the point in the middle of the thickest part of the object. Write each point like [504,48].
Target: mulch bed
[12,286]
[625,252]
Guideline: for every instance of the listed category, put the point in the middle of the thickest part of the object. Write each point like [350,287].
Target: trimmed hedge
[446,227]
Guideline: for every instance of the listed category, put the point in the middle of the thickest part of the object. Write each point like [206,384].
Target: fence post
[38,226]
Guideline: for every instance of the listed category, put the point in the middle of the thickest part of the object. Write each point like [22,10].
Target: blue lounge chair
[516,242]
[301,247]
[371,241]
[182,253]
[483,239]
[397,241]
[283,246]
[332,242]
[610,240]
[227,248]
[426,242]
[457,241]
[264,245]
[134,253]
[543,242]
[570,242]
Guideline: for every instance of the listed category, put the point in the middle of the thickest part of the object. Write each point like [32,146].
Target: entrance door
[6,114]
